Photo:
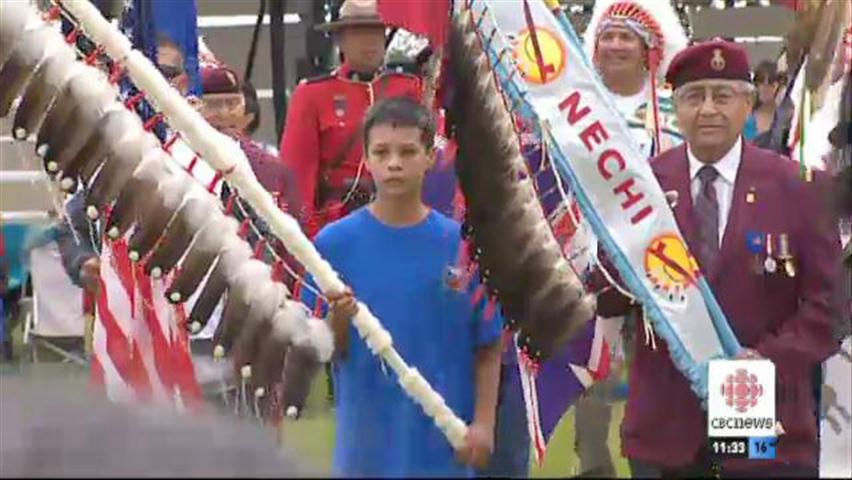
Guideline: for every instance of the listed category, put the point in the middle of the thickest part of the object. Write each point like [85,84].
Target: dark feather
[520,258]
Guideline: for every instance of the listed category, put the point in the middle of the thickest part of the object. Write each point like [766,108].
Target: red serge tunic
[322,143]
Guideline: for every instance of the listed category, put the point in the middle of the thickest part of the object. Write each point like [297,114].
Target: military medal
[784,255]
[754,243]
[770,265]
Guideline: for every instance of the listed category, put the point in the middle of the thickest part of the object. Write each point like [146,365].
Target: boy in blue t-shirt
[397,255]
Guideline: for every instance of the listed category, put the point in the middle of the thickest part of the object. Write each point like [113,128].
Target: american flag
[140,342]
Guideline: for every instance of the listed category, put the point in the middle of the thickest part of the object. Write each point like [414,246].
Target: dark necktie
[707,216]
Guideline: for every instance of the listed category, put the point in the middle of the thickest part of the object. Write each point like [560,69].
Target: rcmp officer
[321,145]
[769,249]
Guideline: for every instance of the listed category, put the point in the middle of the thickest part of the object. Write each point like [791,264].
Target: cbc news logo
[742,390]
[741,398]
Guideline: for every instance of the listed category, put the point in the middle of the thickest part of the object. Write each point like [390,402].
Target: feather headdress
[656,20]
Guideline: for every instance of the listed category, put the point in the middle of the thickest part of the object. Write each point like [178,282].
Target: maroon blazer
[787,320]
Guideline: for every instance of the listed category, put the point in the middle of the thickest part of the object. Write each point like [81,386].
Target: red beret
[708,60]
[219,79]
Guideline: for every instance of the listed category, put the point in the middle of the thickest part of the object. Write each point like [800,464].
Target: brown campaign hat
[355,13]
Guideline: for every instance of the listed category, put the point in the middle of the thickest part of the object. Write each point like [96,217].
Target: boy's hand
[478,446]
[342,307]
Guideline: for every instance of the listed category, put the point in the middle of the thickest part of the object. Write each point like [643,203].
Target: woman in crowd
[768,81]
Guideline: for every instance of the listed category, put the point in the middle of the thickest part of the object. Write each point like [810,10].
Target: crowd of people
[356,150]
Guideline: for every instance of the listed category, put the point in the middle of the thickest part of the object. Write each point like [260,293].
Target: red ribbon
[192,163]
[539,58]
[92,57]
[116,72]
[244,229]
[278,271]
[171,141]
[229,206]
[132,101]
[152,122]
[71,38]
[216,179]
[53,13]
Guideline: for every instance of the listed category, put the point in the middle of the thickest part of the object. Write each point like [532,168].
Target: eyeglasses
[170,72]
[695,96]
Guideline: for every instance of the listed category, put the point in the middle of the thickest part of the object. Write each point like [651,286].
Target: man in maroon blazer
[770,252]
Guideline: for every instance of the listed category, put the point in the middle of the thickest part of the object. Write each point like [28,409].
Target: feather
[520,260]
[42,90]
[84,149]
[14,17]
[21,64]
[159,211]
[243,279]
[123,158]
[200,258]
[831,24]
[85,94]
[145,179]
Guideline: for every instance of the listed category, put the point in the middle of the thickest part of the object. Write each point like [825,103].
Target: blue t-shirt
[404,276]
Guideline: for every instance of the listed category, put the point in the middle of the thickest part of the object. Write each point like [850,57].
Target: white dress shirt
[727,167]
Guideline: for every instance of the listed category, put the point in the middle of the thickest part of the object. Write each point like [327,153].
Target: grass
[312,437]
[561,461]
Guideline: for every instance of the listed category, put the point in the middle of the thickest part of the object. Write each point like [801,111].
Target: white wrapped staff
[226,157]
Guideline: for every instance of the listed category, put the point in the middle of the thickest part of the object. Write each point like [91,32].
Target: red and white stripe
[140,345]
[531,403]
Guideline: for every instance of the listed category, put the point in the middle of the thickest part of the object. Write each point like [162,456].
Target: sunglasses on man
[170,72]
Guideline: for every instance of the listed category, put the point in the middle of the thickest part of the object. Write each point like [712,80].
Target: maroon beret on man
[219,79]
[713,59]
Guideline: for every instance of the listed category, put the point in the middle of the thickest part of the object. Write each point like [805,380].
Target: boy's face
[398,160]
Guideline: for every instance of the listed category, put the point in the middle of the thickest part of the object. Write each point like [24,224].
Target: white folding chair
[55,310]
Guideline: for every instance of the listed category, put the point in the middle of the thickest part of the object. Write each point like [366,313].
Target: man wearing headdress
[631,43]
[321,143]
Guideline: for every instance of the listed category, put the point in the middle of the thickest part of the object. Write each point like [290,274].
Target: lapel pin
[751,196]
[755,245]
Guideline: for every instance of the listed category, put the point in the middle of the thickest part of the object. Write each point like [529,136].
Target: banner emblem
[670,267]
[552,52]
